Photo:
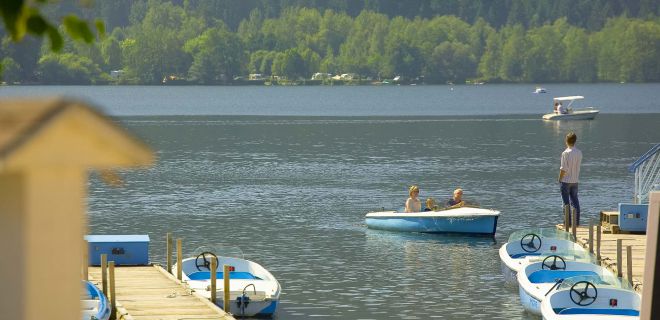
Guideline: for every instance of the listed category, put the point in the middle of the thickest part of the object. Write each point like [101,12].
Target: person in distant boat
[457,200]
[413,204]
[431,205]
[556,107]
[561,109]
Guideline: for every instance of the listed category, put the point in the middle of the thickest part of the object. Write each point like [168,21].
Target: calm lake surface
[287,174]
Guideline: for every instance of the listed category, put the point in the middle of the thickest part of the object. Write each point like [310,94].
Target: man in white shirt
[569,172]
[561,109]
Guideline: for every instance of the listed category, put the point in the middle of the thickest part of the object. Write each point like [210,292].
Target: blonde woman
[413,204]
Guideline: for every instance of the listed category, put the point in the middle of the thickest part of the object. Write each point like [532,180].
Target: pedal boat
[94,303]
[539,279]
[588,113]
[533,245]
[460,220]
[591,299]
[253,291]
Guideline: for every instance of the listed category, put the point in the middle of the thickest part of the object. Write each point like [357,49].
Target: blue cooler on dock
[122,249]
[632,217]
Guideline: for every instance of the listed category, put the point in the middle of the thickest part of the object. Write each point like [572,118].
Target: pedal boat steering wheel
[582,297]
[204,262]
[531,243]
[553,266]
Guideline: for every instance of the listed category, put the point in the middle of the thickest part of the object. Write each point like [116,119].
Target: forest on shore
[221,41]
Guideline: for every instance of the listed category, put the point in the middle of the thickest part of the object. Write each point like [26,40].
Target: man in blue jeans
[569,172]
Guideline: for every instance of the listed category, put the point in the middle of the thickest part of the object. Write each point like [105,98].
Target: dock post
[225,276]
[591,237]
[567,221]
[104,273]
[573,224]
[619,258]
[629,267]
[85,261]
[179,258]
[168,240]
[598,236]
[214,278]
[113,295]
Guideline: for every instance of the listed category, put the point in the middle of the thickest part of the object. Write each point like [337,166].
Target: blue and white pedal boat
[94,303]
[532,245]
[253,291]
[460,220]
[591,299]
[539,279]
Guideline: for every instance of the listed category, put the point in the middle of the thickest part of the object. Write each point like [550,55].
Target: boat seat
[205,275]
[546,276]
[613,311]
[524,254]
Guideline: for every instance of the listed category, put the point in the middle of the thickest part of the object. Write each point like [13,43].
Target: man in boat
[556,107]
[456,201]
[561,109]
[569,172]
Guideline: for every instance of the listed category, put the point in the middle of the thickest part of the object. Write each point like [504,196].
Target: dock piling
[629,266]
[591,236]
[225,275]
[104,274]
[168,240]
[113,295]
[619,258]
[214,278]
[85,261]
[598,236]
[573,223]
[179,258]
[567,221]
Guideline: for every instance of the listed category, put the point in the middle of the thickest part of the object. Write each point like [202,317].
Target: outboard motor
[243,300]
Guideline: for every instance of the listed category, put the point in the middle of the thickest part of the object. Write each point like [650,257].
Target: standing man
[569,172]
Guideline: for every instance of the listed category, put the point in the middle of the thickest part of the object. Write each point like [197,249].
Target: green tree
[216,56]
[68,68]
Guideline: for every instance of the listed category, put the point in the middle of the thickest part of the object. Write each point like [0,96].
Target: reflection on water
[292,192]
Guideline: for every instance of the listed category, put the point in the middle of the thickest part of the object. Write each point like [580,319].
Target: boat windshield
[550,232]
[220,250]
[600,281]
[571,254]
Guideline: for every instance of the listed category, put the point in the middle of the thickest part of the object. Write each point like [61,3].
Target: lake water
[287,174]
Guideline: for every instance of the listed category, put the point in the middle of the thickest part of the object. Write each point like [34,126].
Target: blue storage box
[122,249]
[632,217]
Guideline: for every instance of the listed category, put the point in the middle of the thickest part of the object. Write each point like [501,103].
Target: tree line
[202,42]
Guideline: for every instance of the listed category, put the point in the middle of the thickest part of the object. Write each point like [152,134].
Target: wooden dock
[608,252]
[149,292]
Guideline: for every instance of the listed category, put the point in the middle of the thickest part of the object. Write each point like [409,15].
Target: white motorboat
[590,298]
[460,220]
[532,245]
[540,90]
[253,291]
[588,113]
[539,279]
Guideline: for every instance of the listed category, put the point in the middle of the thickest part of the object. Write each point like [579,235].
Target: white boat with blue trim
[460,220]
[539,279]
[253,291]
[589,298]
[533,245]
[94,303]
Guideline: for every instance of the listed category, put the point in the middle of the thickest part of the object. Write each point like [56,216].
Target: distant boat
[540,90]
[459,220]
[94,303]
[588,113]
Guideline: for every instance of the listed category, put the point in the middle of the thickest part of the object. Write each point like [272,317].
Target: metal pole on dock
[113,295]
[591,237]
[214,278]
[574,224]
[179,258]
[85,261]
[619,258]
[168,240]
[629,267]
[225,276]
[567,221]
[104,273]
[598,236]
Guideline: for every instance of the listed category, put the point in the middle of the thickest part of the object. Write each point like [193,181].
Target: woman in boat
[431,205]
[413,204]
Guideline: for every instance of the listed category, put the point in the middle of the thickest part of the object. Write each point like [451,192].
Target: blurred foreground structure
[47,148]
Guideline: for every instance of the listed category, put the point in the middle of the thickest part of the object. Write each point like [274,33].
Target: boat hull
[577,115]
[529,303]
[480,222]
